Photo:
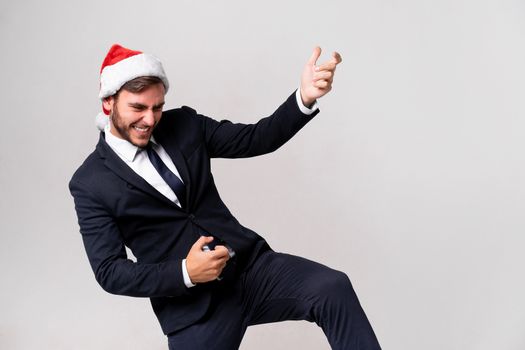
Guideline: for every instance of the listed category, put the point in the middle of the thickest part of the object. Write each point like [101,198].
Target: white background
[411,179]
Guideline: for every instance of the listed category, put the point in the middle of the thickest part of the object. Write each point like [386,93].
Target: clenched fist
[205,266]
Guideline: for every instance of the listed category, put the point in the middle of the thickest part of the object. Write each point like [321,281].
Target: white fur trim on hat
[114,76]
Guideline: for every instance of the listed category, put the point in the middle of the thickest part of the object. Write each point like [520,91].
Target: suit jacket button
[129,185]
[191,216]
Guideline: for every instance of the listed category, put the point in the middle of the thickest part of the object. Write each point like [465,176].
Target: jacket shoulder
[88,173]
[188,110]
[184,114]
[181,123]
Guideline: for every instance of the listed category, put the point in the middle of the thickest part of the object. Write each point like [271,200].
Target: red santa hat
[120,66]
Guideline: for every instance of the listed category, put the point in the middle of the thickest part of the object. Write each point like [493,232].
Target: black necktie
[171,179]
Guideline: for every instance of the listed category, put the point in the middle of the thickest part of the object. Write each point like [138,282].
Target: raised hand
[316,81]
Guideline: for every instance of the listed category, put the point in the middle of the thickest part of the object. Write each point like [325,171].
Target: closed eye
[140,107]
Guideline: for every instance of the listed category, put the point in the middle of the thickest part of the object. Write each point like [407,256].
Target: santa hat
[120,66]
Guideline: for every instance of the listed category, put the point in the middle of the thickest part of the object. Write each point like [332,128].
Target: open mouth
[143,129]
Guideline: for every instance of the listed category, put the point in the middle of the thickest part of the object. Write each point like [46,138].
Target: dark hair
[139,84]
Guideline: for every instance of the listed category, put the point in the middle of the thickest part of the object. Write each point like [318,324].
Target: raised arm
[234,140]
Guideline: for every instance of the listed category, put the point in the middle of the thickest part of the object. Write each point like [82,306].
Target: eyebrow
[141,106]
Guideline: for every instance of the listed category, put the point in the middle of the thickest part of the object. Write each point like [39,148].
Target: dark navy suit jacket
[118,208]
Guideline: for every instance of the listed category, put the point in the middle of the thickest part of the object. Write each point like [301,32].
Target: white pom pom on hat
[120,66]
[101,120]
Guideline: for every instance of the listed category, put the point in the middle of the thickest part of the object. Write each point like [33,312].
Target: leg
[222,327]
[284,287]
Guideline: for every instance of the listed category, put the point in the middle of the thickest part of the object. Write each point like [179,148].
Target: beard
[124,130]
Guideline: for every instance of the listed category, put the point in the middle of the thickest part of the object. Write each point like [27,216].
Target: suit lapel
[115,164]
[179,161]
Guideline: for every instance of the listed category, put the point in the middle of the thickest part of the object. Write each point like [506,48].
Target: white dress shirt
[137,159]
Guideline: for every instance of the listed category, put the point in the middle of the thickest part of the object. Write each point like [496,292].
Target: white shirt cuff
[186,275]
[302,107]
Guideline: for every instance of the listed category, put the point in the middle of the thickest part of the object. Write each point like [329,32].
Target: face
[134,115]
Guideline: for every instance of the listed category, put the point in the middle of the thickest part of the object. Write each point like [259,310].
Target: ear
[108,102]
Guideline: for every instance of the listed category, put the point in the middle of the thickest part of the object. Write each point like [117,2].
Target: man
[148,186]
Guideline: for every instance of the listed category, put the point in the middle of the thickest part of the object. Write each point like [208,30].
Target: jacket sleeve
[107,255]
[225,139]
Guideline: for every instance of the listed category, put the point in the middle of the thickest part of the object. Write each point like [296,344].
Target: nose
[149,117]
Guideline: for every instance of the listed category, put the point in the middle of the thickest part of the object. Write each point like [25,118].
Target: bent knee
[331,284]
[336,281]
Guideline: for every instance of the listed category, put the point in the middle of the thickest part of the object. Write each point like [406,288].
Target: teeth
[141,129]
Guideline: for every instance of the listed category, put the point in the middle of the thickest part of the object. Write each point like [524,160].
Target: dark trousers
[281,287]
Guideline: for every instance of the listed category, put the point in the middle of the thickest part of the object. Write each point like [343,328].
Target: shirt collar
[122,147]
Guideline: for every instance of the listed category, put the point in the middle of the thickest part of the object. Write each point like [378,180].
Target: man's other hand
[316,81]
[205,266]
